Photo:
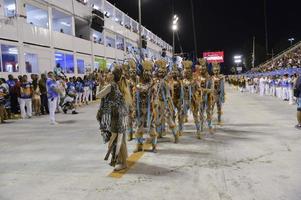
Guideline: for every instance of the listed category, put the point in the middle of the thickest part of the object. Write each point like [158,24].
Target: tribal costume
[112,116]
[164,107]
[176,83]
[132,79]
[144,114]
[219,90]
[202,99]
[187,81]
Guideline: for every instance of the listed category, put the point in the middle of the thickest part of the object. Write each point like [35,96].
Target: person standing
[36,97]
[112,116]
[297,94]
[285,88]
[79,86]
[26,98]
[261,86]
[3,95]
[44,99]
[52,94]
[13,94]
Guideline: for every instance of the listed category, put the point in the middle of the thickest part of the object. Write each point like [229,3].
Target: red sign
[214,57]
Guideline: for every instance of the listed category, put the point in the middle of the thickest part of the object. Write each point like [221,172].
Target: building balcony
[36,35]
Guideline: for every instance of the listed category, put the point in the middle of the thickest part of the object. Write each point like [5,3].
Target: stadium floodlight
[174,27]
[238,61]
[291,40]
[237,57]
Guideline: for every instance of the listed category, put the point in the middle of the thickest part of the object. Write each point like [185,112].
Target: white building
[35,35]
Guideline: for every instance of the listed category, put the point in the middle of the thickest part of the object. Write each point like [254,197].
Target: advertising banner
[214,57]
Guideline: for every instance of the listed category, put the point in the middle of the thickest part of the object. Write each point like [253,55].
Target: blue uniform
[51,86]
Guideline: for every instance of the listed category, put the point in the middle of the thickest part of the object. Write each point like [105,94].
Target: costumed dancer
[176,83]
[202,98]
[144,108]
[163,104]
[132,79]
[187,86]
[219,90]
[112,116]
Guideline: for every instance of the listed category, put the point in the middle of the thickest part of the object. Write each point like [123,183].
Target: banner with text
[214,57]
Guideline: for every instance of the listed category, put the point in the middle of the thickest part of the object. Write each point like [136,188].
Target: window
[129,47]
[9,56]
[96,4]
[109,9]
[31,63]
[80,66]
[69,64]
[135,26]
[120,42]
[36,16]
[62,22]
[66,62]
[9,8]
[110,42]
[98,37]
[100,64]
[119,17]
[127,22]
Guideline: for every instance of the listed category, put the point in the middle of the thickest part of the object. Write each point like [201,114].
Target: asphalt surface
[255,155]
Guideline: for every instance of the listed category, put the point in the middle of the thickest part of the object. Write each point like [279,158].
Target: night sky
[227,25]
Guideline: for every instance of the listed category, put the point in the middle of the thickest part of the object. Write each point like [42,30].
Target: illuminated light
[237,61]
[237,57]
[174,27]
[96,7]
[11,7]
[66,24]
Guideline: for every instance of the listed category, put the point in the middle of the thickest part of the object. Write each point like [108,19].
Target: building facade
[36,35]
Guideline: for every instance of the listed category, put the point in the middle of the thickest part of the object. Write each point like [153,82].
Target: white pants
[78,98]
[267,90]
[52,103]
[285,93]
[291,96]
[261,89]
[28,104]
[89,95]
[272,91]
[86,94]
[279,92]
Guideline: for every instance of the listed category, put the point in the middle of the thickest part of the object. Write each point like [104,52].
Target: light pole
[174,29]
[140,31]
[291,40]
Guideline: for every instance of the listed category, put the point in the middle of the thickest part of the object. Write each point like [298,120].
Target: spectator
[36,97]
[52,93]
[25,98]
[79,87]
[43,91]
[3,96]
[13,94]
[297,94]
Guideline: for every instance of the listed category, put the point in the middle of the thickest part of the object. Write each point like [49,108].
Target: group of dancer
[140,103]
[280,86]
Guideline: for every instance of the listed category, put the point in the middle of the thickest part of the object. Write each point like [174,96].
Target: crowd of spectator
[27,96]
[290,59]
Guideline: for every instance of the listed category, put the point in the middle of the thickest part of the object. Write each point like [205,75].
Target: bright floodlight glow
[174,27]
[291,39]
[238,61]
[237,57]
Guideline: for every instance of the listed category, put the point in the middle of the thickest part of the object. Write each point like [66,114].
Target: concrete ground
[255,155]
